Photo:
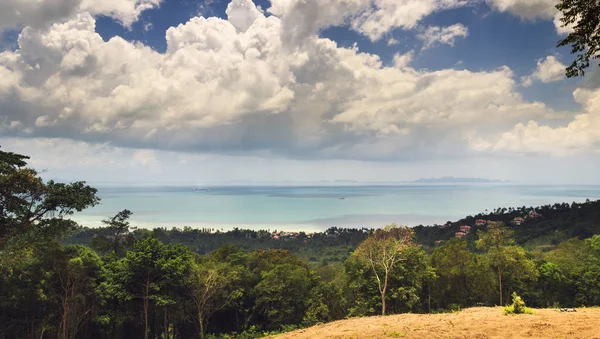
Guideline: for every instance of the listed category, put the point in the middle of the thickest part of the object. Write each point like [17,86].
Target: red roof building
[518,221]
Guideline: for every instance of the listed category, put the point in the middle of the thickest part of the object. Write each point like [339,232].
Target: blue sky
[410,88]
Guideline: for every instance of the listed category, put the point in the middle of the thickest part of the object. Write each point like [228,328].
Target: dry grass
[480,322]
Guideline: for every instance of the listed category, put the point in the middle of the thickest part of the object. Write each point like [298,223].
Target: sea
[316,208]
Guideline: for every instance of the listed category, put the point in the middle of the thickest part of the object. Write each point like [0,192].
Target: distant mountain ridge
[457,180]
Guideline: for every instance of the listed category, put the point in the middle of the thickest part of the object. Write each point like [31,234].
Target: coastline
[313,209]
[309,226]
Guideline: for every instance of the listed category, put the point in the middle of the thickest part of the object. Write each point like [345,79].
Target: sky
[229,91]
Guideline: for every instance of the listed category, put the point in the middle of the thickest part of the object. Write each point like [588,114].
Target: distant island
[457,180]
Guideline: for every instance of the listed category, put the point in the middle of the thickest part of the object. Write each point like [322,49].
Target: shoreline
[315,225]
[315,210]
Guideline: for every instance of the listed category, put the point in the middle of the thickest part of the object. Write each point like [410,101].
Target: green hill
[543,225]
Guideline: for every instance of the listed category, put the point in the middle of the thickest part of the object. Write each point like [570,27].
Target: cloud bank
[269,85]
[373,18]
[43,13]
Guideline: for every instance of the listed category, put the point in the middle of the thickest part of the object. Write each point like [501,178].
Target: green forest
[59,280]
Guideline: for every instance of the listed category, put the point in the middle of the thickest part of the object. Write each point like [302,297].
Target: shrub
[517,306]
[454,308]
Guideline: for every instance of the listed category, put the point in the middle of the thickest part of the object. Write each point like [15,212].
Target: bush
[454,308]
[517,307]
[252,333]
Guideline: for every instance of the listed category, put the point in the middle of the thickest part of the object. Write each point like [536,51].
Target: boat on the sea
[342,198]
[200,189]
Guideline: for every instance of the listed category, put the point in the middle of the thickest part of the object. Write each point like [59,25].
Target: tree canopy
[166,283]
[584,18]
[30,207]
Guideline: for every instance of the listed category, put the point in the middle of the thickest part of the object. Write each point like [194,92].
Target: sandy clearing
[479,322]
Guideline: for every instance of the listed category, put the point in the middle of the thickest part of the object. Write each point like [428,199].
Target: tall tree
[496,240]
[212,287]
[152,272]
[381,251]
[31,207]
[25,308]
[584,17]
[75,271]
[455,268]
[119,239]
[282,295]
[504,256]
[551,284]
[589,282]
[281,285]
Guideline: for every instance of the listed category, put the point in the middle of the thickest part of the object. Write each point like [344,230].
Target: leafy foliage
[382,251]
[584,17]
[463,278]
[119,238]
[333,245]
[517,306]
[405,279]
[508,260]
[30,208]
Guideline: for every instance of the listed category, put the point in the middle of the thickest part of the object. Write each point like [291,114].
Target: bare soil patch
[479,322]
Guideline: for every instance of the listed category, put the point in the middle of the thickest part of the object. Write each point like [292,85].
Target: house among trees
[480,222]
[518,221]
[460,234]
[465,229]
[438,242]
[534,215]
[281,235]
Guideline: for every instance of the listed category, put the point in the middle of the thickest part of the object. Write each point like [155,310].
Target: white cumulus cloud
[580,135]
[548,70]
[402,60]
[533,9]
[242,14]
[433,35]
[373,18]
[561,29]
[125,11]
[392,41]
[235,86]
[43,13]
[526,9]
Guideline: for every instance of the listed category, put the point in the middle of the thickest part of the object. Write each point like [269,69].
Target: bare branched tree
[382,250]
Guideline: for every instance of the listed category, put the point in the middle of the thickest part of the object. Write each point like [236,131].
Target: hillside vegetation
[542,225]
[116,282]
[552,225]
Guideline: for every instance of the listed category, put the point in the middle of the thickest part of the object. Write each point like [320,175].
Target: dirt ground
[480,322]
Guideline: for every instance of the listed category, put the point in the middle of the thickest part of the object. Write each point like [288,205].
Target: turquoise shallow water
[317,208]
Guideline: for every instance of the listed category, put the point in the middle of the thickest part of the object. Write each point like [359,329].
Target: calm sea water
[317,208]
